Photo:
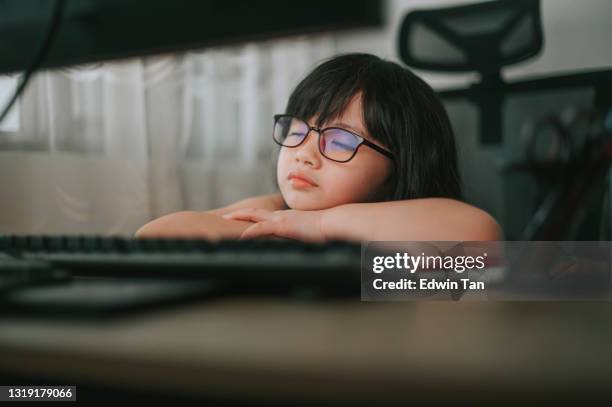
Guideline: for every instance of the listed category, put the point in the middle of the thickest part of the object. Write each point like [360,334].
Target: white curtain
[102,149]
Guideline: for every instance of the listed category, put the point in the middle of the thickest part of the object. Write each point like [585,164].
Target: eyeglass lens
[335,144]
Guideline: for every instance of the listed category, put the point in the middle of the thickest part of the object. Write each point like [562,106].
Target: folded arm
[431,219]
[209,224]
[191,224]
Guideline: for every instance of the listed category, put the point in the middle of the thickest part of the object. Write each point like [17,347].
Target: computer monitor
[93,30]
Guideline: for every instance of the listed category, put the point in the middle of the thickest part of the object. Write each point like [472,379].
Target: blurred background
[145,107]
[104,147]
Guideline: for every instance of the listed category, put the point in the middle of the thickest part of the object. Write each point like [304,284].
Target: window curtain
[104,148]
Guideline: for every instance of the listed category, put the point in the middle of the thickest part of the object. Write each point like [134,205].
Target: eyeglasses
[335,143]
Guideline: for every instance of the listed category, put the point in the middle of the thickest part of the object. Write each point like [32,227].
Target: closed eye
[342,145]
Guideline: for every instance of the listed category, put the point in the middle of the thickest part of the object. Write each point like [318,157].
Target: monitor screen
[93,30]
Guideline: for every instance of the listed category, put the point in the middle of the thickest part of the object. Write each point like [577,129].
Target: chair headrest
[482,37]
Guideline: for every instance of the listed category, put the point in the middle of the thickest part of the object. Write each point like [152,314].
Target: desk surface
[261,349]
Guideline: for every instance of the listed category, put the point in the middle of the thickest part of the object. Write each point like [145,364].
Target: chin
[313,201]
[307,205]
[302,203]
[303,206]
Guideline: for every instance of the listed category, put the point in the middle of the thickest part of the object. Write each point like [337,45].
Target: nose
[308,152]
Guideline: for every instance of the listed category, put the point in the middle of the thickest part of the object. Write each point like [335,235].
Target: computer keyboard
[93,276]
[16,272]
[253,265]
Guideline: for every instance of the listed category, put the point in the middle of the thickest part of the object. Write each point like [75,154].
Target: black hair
[400,110]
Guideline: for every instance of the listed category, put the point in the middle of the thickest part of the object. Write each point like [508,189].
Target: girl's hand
[292,224]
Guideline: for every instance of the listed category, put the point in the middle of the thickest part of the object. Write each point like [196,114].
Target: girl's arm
[208,224]
[271,202]
[431,219]
[191,224]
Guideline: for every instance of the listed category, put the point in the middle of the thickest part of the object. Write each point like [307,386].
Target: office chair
[485,38]
[482,37]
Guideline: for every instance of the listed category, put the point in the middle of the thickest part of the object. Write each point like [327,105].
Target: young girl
[367,153]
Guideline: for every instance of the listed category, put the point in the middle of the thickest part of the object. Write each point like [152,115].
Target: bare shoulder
[476,223]
[271,202]
[458,220]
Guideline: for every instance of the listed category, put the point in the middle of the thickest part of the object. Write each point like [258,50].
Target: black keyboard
[92,276]
[252,265]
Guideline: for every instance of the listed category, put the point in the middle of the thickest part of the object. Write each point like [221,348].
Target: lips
[298,176]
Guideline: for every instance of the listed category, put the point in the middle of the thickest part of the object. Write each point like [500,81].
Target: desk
[263,349]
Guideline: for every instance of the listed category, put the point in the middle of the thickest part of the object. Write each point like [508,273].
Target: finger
[252,214]
[258,230]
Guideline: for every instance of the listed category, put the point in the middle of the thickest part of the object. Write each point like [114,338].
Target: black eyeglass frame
[362,141]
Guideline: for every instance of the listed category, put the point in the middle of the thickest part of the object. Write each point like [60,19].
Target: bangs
[326,103]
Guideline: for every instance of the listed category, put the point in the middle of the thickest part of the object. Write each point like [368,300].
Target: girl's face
[332,183]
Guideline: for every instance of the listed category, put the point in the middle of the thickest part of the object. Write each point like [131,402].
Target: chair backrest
[482,37]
